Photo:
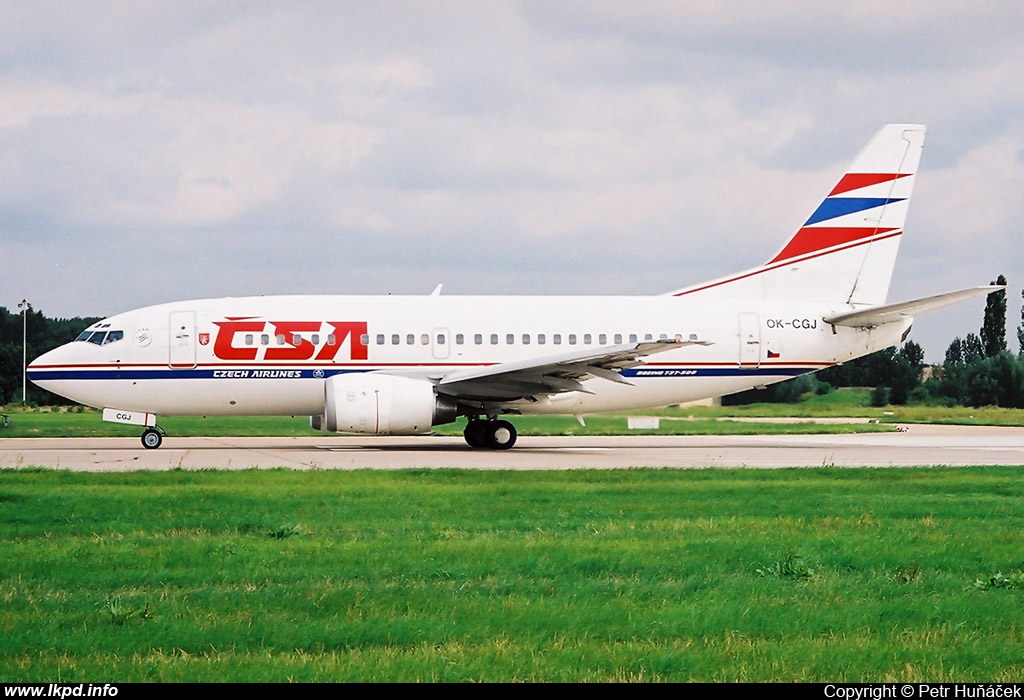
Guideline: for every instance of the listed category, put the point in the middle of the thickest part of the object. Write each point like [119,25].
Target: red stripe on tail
[855,181]
[811,239]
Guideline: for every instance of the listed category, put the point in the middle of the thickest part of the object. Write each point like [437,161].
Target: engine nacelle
[382,404]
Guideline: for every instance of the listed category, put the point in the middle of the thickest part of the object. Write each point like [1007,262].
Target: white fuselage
[398,365]
[272,355]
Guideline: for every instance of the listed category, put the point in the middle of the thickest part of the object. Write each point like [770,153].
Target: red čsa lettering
[298,344]
[223,346]
[354,331]
[303,350]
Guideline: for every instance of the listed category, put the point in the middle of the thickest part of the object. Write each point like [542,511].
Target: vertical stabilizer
[846,250]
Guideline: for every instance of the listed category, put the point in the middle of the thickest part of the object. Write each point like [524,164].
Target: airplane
[400,365]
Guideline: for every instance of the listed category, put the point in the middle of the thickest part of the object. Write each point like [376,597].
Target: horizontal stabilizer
[893,313]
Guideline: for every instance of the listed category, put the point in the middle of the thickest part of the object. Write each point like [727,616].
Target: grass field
[455,575]
[47,422]
[438,575]
[857,402]
[89,424]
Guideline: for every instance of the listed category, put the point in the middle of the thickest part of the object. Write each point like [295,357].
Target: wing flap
[555,374]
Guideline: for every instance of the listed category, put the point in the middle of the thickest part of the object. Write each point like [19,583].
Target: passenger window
[396,339]
[364,339]
[380,339]
[494,338]
[280,338]
[572,339]
[332,339]
[648,337]
[510,339]
[586,338]
[478,339]
[632,337]
[602,339]
[410,339]
[526,338]
[425,339]
[264,339]
[618,338]
[249,339]
[459,339]
[541,339]
[557,338]
[441,340]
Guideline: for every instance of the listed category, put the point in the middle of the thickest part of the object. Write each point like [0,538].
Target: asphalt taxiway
[920,445]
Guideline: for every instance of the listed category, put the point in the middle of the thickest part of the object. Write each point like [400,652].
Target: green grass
[857,403]
[690,420]
[56,423]
[462,575]
[677,423]
[88,423]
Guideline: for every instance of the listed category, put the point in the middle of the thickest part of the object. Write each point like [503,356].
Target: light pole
[25,307]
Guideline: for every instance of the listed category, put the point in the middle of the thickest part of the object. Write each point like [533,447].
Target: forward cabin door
[750,341]
[183,340]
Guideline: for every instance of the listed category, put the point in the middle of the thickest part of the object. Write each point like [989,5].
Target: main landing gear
[490,434]
[152,438]
[479,433]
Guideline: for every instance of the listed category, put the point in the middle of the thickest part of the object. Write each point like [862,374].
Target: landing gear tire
[501,435]
[152,439]
[476,433]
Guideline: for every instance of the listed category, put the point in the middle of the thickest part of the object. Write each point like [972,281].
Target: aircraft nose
[45,370]
[49,357]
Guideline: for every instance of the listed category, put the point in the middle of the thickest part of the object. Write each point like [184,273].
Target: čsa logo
[248,339]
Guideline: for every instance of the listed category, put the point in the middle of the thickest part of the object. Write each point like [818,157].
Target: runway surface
[921,445]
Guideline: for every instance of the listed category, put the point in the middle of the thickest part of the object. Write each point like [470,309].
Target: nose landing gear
[152,438]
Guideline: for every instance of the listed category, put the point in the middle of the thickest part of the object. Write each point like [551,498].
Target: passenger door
[182,334]
[750,341]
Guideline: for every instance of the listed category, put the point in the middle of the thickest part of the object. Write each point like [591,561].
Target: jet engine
[382,404]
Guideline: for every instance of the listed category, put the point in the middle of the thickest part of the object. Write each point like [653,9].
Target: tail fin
[846,250]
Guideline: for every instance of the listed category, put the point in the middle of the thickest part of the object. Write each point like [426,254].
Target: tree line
[42,334]
[978,370]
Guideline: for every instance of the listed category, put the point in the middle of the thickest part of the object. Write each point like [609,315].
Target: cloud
[256,147]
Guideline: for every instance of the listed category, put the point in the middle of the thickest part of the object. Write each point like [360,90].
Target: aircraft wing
[891,313]
[554,374]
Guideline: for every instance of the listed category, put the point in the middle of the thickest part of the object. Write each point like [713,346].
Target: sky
[159,151]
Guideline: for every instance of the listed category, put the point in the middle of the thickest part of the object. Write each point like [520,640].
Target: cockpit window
[100,337]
